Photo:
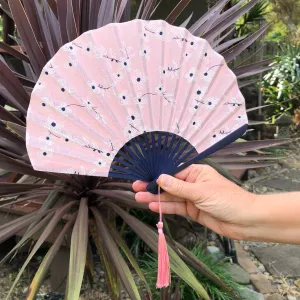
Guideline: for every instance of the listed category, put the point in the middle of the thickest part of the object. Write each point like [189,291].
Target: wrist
[274,218]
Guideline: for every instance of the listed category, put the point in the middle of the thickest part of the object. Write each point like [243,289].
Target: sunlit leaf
[78,250]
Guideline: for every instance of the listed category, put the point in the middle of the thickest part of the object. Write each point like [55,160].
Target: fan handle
[152,188]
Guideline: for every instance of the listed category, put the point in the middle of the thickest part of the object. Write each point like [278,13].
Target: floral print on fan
[118,87]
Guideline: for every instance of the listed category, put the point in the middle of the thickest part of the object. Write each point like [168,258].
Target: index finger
[139,186]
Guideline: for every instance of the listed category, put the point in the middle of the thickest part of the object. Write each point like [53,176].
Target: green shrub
[149,268]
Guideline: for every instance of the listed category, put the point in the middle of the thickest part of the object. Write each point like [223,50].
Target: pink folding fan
[133,100]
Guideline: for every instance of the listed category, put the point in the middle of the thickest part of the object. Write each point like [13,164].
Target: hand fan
[133,100]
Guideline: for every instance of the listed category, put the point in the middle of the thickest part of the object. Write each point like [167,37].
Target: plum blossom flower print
[46,140]
[71,63]
[124,97]
[171,71]
[187,55]
[191,75]
[241,118]
[50,68]
[118,76]
[159,89]
[196,124]
[39,86]
[145,52]
[64,88]
[46,151]
[167,97]
[46,101]
[72,47]
[219,134]
[200,92]
[53,125]
[139,79]
[131,131]
[133,117]
[145,36]
[211,103]
[142,99]
[126,64]
[209,74]
[100,162]
[64,109]
[196,106]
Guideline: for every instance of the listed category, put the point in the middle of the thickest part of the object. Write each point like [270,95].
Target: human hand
[207,197]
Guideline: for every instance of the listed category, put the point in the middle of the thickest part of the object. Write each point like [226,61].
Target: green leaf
[45,265]
[60,212]
[151,239]
[113,281]
[200,267]
[78,252]
[122,244]
[116,257]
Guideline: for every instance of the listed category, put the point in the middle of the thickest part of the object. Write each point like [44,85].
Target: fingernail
[164,180]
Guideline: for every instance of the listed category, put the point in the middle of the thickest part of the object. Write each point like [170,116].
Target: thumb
[177,187]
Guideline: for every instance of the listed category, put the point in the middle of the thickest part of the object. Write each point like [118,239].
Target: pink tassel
[163,272]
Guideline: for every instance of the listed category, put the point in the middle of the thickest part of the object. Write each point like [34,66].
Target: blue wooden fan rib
[152,186]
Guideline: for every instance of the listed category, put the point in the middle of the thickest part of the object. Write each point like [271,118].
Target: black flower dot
[192,43]
[123,97]
[196,106]
[205,74]
[62,89]
[209,103]
[47,73]
[118,75]
[145,51]
[107,154]
[160,88]
[161,33]
[125,63]
[132,117]
[129,131]
[63,108]
[239,117]
[66,140]
[99,163]
[88,102]
[233,104]
[44,153]
[43,104]
[47,138]
[53,124]
[40,83]
[140,100]
[145,34]
[191,74]
[186,54]
[70,64]
[164,71]
[194,123]
[205,54]
[138,79]
[93,87]
[198,92]
[214,136]
[87,49]
[71,47]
